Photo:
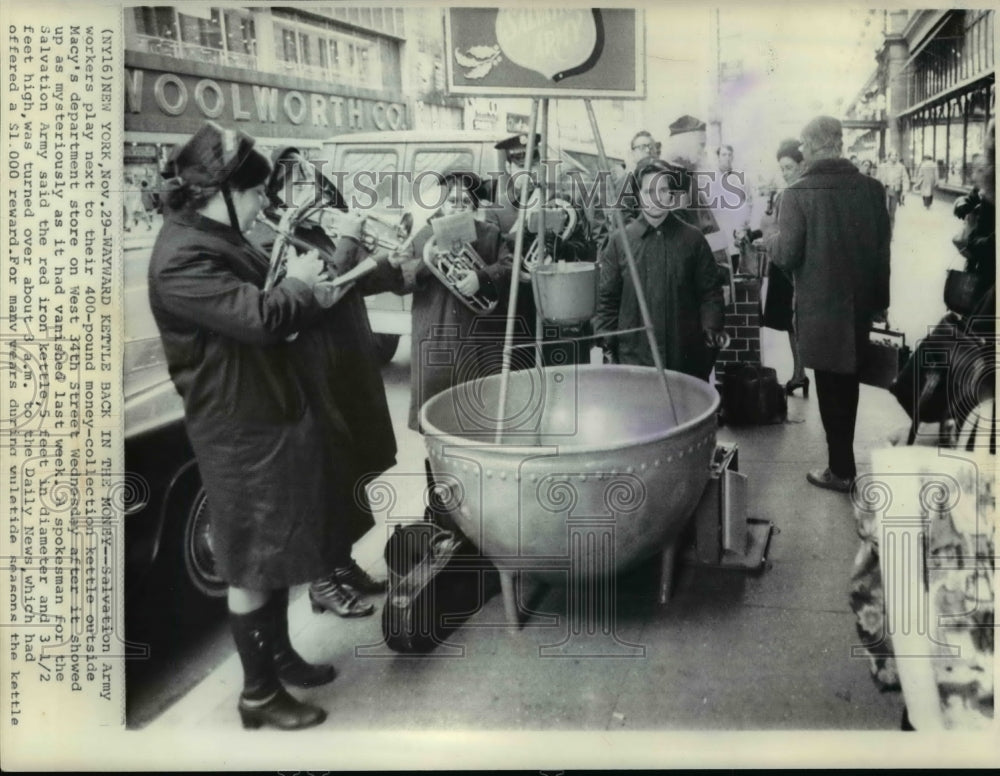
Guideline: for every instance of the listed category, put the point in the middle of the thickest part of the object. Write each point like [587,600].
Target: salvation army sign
[545,52]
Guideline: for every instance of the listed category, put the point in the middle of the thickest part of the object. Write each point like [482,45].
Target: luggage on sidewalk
[752,396]
[437,580]
[884,356]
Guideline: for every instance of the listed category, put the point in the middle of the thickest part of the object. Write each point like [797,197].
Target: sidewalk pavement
[730,651]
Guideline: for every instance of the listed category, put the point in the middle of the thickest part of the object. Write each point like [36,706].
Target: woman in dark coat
[262,452]
[337,362]
[777,312]
[451,344]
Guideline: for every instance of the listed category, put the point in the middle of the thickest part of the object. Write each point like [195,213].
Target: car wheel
[385,346]
[199,558]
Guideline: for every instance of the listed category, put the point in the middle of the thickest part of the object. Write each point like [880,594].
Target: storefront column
[897,91]
[264,36]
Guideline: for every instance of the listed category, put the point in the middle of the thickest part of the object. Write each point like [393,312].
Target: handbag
[963,291]
[883,356]
[948,371]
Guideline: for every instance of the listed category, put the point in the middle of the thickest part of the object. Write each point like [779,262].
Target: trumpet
[326,208]
[536,253]
[377,232]
[450,264]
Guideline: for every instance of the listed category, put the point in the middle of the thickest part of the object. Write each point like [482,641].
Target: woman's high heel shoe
[793,385]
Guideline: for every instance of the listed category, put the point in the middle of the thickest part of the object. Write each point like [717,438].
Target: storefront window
[324,55]
[940,152]
[977,133]
[200,32]
[156,22]
[209,35]
[956,146]
[240,35]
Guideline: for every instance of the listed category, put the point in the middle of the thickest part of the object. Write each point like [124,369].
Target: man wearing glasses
[644,146]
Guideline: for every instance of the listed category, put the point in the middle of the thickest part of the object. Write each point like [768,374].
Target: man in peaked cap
[516,148]
[688,138]
[686,149]
[687,123]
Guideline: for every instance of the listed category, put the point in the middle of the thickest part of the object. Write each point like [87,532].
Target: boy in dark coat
[679,278]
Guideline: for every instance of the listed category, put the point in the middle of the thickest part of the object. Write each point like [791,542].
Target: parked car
[421,151]
[169,566]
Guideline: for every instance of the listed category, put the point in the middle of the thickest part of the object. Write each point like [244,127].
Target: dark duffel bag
[437,580]
[752,396]
[952,370]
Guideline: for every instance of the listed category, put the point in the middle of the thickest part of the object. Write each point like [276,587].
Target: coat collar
[195,220]
[666,226]
[838,166]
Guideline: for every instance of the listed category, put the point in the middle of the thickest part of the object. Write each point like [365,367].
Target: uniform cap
[686,124]
[516,147]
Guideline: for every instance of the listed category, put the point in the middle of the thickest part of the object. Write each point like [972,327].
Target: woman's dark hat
[467,180]
[210,157]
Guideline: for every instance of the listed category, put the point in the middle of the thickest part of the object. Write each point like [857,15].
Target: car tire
[185,588]
[386,346]
[198,557]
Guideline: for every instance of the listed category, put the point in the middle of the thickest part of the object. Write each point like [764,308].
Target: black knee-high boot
[264,701]
[292,669]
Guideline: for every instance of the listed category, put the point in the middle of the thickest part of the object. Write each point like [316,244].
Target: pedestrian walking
[897,182]
[925,180]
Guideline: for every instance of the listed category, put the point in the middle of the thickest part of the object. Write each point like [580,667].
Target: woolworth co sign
[180,102]
[546,52]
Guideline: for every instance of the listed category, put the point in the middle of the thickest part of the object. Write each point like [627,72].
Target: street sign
[546,52]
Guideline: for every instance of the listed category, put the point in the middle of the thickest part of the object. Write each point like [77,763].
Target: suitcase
[752,396]
[437,579]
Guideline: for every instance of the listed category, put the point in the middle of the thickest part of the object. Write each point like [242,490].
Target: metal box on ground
[722,534]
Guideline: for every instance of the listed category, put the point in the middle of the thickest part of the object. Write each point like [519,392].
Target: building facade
[284,75]
[933,92]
